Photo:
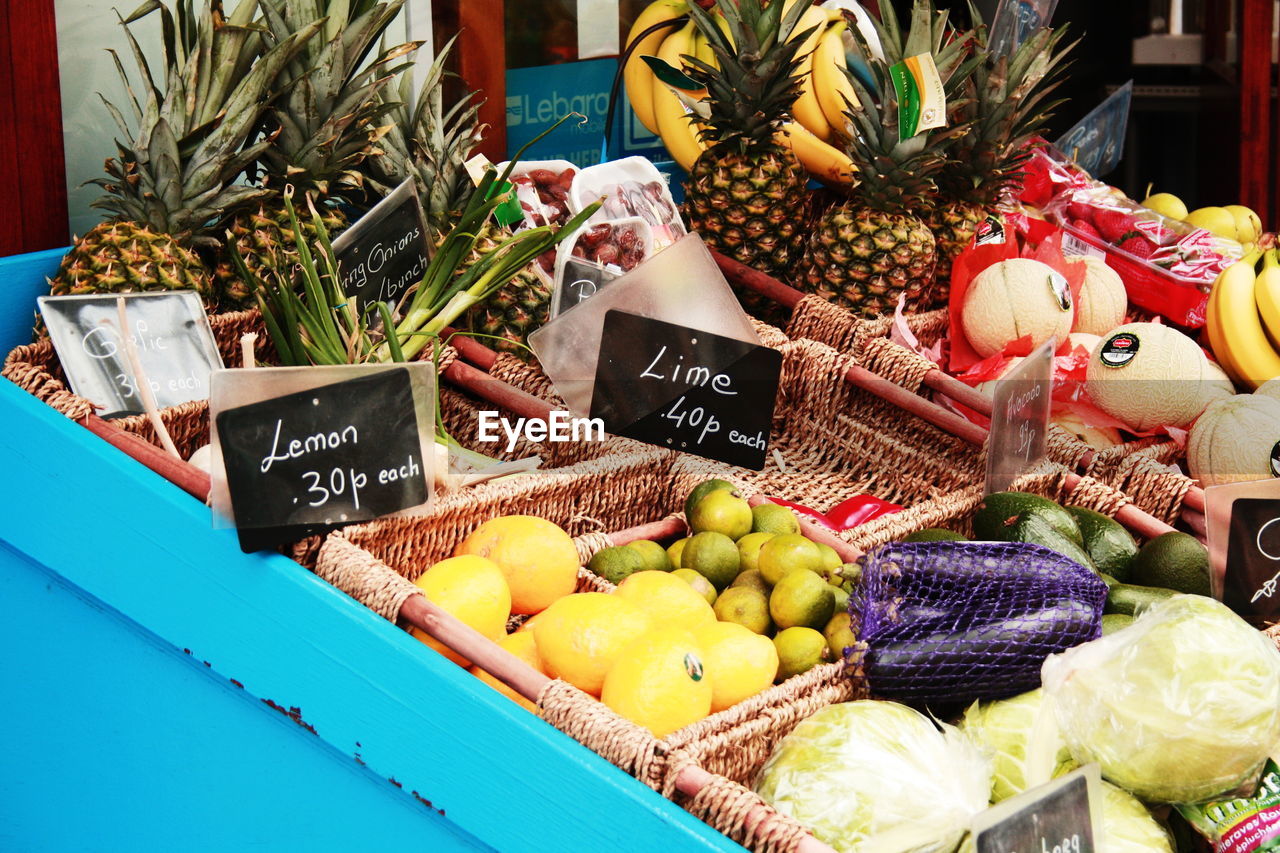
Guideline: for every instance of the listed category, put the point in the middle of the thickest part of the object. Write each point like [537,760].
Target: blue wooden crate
[166,691]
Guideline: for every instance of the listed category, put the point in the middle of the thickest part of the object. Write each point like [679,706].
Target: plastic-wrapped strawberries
[612,244]
[544,195]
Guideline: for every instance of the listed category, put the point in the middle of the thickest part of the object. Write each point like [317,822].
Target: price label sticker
[1058,817]
[301,450]
[1020,419]
[685,389]
[1243,524]
[384,252]
[170,332]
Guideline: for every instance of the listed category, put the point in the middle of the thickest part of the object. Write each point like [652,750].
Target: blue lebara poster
[538,96]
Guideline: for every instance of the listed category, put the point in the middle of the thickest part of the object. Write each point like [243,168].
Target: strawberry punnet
[1113,225]
[1135,244]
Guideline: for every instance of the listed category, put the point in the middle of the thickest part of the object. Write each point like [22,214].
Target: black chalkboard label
[685,389]
[384,253]
[1056,821]
[170,332]
[1251,586]
[341,453]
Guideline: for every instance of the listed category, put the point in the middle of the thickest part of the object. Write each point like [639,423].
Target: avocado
[1034,528]
[1132,600]
[1175,561]
[1107,543]
[935,534]
[1000,510]
[1112,622]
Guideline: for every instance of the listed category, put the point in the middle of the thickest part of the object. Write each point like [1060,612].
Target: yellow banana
[1267,293]
[637,76]
[835,92]
[1234,312]
[701,49]
[827,164]
[806,108]
[1217,341]
[675,125]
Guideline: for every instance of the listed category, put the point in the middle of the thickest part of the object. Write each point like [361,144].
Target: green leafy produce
[1127,826]
[1022,737]
[1180,707]
[877,774]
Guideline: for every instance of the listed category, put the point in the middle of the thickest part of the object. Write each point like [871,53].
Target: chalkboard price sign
[1054,818]
[1020,419]
[685,389]
[384,253]
[347,451]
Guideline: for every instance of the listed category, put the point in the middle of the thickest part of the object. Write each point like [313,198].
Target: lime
[800,650]
[749,549]
[617,563]
[675,549]
[745,606]
[722,512]
[700,585]
[839,633]
[831,561]
[712,555]
[703,489]
[935,534]
[1108,544]
[801,598]
[654,555]
[1174,561]
[771,518]
[785,553]
[752,579]
[840,599]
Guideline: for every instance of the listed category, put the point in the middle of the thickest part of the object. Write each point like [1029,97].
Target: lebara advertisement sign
[537,97]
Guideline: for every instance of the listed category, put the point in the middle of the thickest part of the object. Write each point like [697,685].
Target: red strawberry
[1086,229]
[1113,225]
[1136,244]
[1037,188]
[1078,210]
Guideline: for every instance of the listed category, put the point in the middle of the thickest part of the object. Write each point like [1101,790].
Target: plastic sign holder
[1020,419]
[1243,523]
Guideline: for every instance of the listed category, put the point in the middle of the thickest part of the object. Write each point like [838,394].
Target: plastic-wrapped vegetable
[1182,706]
[1127,826]
[877,775]
[959,621]
[1022,737]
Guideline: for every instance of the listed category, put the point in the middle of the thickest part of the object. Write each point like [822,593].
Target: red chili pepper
[859,510]
[805,512]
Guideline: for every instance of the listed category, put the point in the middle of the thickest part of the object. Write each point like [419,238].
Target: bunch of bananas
[819,118]
[1243,323]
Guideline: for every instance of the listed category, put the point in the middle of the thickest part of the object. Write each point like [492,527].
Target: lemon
[580,636]
[538,558]
[524,646]
[752,579]
[831,561]
[714,556]
[668,600]
[739,662]
[747,607]
[675,551]
[1248,225]
[471,589]
[724,512]
[660,682]
[1216,220]
[839,633]
[700,585]
[654,555]
[771,518]
[749,549]
[800,650]
[703,489]
[615,564]
[788,552]
[801,598]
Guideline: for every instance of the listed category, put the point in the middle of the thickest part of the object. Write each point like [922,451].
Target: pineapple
[319,132]
[867,251]
[172,184]
[746,194]
[1006,106]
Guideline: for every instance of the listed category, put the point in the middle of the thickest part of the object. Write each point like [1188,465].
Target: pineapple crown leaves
[751,93]
[1008,106]
[328,122]
[177,171]
[429,142]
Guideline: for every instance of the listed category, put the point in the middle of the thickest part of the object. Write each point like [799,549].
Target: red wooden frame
[1256,154]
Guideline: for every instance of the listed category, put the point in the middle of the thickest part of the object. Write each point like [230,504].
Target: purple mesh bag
[959,621]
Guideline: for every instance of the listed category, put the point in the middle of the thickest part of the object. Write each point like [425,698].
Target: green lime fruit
[617,563]
[1174,561]
[831,561]
[786,553]
[654,555]
[839,633]
[771,518]
[935,534]
[714,556]
[675,550]
[745,606]
[700,585]
[752,579]
[749,549]
[722,512]
[703,489]
[1105,540]
[800,650]
[839,598]
[801,598]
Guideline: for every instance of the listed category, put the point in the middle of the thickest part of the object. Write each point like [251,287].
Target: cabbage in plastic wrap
[868,772]
[1180,707]
[1127,826]
[1022,738]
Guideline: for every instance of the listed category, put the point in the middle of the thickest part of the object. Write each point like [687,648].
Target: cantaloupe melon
[1217,385]
[1148,375]
[1270,388]
[1087,340]
[1099,438]
[1015,298]
[1236,440]
[1103,299]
